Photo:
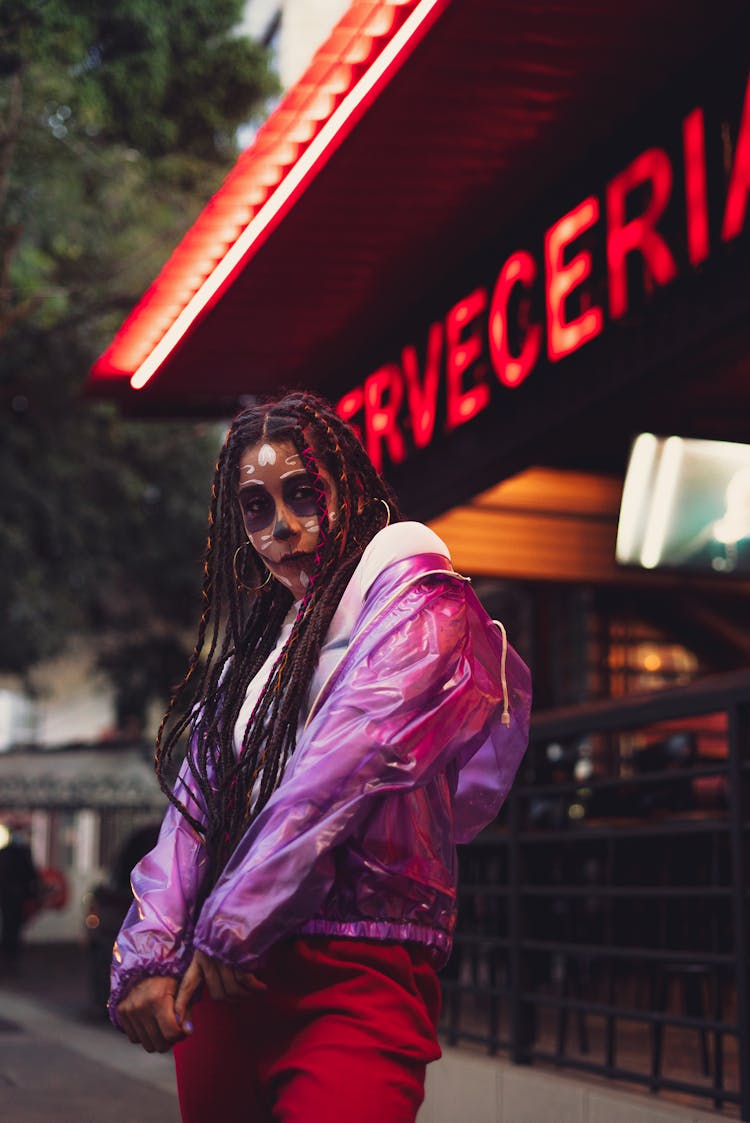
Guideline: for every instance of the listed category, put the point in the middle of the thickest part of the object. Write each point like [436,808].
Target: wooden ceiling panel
[544,489]
[528,546]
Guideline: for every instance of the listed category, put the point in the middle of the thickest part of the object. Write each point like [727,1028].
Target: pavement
[61,1061]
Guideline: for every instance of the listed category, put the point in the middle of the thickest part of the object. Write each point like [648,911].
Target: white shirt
[391,544]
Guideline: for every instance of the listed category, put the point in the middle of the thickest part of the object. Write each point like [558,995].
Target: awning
[419,127]
[83,777]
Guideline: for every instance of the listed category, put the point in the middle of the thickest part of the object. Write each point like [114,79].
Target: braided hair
[238,631]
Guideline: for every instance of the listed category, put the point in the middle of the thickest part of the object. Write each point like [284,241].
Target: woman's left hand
[224,983]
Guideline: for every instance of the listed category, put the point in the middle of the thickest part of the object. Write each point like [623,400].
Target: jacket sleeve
[485,777]
[404,706]
[155,937]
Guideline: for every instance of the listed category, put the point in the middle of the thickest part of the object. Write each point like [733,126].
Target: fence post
[518,1050]
[739,740]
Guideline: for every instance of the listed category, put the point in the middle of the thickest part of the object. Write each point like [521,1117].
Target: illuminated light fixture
[321,106]
[239,215]
[350,42]
[661,508]
[635,492]
[378,22]
[686,505]
[583,770]
[222,237]
[269,172]
[255,195]
[334,75]
[285,154]
[734,525]
[354,52]
[652,661]
[302,130]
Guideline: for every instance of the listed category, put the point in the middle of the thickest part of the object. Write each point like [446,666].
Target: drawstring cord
[505,715]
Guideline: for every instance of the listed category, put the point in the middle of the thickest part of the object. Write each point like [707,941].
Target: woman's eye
[257,510]
[303,493]
[302,499]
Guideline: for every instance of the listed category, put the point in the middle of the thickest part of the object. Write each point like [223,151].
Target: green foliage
[116,125]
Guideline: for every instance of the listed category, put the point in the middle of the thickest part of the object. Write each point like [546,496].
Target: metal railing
[611,898]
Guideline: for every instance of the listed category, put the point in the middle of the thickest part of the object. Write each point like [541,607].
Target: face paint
[259,504]
[266,455]
[279,509]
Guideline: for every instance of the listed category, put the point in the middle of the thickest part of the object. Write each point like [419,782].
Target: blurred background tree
[117,123]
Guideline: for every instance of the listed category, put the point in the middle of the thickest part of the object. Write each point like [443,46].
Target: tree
[117,122]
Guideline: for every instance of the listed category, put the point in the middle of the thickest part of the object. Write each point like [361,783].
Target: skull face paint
[279,510]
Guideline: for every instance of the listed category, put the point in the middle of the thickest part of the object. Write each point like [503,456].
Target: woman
[353,713]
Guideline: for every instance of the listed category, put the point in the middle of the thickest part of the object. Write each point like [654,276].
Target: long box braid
[238,631]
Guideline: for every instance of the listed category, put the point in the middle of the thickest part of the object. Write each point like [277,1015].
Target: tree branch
[10,131]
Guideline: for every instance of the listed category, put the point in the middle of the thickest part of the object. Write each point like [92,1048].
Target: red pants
[342,1035]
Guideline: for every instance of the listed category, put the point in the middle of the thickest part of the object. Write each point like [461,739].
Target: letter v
[422,394]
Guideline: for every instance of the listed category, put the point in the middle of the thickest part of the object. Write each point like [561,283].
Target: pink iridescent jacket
[410,747]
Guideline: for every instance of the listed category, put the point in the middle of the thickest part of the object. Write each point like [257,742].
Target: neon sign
[491,340]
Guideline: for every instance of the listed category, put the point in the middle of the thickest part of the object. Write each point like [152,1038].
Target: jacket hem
[438,942]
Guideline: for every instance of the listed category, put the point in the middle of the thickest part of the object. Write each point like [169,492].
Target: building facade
[508,240]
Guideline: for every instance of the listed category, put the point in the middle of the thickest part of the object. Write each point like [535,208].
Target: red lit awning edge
[368,44]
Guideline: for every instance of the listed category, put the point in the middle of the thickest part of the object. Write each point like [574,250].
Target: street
[61,1060]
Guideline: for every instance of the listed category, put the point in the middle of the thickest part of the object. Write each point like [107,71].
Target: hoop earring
[388,512]
[239,582]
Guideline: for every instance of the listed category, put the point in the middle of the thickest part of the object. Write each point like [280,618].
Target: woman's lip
[293,558]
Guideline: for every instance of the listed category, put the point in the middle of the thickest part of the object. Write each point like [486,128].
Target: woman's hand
[223,982]
[147,1014]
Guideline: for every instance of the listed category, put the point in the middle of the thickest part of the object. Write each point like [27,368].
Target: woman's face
[279,510]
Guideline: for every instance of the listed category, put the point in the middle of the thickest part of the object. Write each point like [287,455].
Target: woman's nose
[281,528]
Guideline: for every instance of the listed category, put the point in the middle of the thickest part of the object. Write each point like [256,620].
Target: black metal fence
[603,920]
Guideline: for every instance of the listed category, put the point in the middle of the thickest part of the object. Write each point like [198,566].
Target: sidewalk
[53,1070]
[56,1068]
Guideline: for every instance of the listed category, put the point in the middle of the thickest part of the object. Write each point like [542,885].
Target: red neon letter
[696,191]
[422,396]
[381,420]
[639,234]
[463,350]
[519,269]
[739,184]
[564,336]
[350,404]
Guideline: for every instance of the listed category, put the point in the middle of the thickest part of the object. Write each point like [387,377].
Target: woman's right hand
[147,1014]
